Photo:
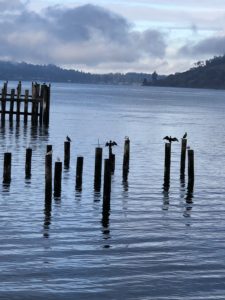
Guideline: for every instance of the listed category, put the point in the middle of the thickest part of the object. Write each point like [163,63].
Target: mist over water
[154,244]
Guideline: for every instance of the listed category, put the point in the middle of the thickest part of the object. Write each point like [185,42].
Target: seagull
[185,135]
[68,139]
[110,144]
[49,152]
[170,139]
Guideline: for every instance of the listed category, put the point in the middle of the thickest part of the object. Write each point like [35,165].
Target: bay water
[157,245]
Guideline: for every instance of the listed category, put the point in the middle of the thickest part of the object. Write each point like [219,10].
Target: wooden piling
[183,157]
[66,154]
[57,178]
[18,102]
[48,148]
[11,105]
[191,172]
[26,106]
[48,175]
[167,165]
[113,163]
[7,168]
[3,100]
[79,173]
[28,163]
[46,104]
[107,185]
[126,156]
[98,169]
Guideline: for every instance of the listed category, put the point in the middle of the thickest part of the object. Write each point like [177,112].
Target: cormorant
[185,135]
[68,139]
[110,144]
[170,139]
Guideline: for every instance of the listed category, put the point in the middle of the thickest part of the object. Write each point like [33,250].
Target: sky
[104,36]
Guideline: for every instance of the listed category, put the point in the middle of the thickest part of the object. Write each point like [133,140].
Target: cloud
[209,46]
[88,35]
[11,6]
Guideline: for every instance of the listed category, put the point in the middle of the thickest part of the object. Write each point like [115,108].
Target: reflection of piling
[107,185]
[126,155]
[167,165]
[79,173]
[98,169]
[28,162]
[66,154]
[183,157]
[57,178]
[191,172]
[7,168]
[48,175]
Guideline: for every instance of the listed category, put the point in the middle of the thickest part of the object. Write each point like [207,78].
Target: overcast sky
[105,35]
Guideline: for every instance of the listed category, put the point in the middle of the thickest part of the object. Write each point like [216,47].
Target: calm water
[156,246]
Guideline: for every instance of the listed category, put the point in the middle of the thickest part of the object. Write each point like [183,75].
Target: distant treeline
[204,74]
[52,73]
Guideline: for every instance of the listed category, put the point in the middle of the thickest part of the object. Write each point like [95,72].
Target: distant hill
[208,74]
[52,73]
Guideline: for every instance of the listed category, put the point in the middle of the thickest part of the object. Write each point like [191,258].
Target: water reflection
[105,227]
[97,196]
[182,187]
[47,216]
[190,192]
[5,187]
[166,199]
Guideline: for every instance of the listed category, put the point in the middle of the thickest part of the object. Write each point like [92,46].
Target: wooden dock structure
[34,104]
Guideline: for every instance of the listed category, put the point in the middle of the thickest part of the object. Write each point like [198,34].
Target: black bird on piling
[170,139]
[185,135]
[68,139]
[110,144]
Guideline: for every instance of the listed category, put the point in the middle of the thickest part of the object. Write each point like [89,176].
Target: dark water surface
[156,246]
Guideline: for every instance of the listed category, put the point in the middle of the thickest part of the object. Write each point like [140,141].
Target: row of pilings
[191,173]
[53,182]
[34,104]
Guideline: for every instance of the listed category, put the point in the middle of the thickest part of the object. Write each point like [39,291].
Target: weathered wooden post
[48,148]
[48,175]
[113,163]
[35,102]
[46,104]
[79,173]
[66,154]
[18,101]
[3,105]
[167,166]
[7,168]
[58,179]
[11,105]
[107,185]
[26,106]
[126,158]
[191,172]
[98,169]
[28,163]
[183,157]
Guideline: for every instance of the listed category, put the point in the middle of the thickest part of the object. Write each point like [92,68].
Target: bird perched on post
[185,135]
[170,139]
[68,139]
[110,144]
